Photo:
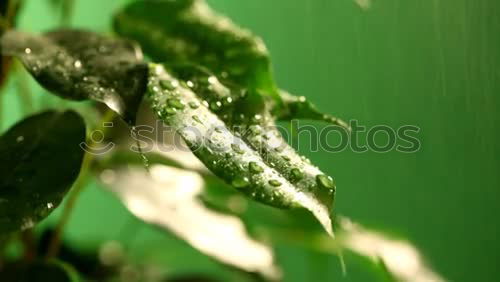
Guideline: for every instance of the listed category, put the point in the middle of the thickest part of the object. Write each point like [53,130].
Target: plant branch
[79,186]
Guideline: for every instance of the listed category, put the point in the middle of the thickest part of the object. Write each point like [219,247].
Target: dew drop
[240,182]
[228,101]
[170,111]
[169,84]
[297,174]
[215,106]
[255,168]
[274,183]
[78,64]
[197,119]
[257,118]
[194,104]
[237,149]
[325,181]
[176,103]
[212,80]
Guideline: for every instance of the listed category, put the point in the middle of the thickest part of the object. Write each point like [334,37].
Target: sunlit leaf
[53,271]
[247,152]
[40,158]
[400,259]
[188,31]
[78,65]
[387,256]
[170,201]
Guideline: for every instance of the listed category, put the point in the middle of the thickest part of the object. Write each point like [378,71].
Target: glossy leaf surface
[79,65]
[188,31]
[247,152]
[40,158]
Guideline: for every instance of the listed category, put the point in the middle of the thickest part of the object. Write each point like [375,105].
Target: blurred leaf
[40,271]
[40,158]
[247,152]
[400,259]
[170,201]
[188,31]
[385,256]
[78,65]
[8,16]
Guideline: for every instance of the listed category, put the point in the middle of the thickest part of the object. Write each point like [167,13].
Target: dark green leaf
[40,158]
[182,32]
[247,152]
[188,31]
[79,65]
[40,271]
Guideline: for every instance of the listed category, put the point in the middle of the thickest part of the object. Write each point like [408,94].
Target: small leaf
[78,65]
[170,201]
[188,31]
[298,107]
[40,158]
[232,145]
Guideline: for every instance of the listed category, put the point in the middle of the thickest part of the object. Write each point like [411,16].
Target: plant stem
[79,186]
[24,89]
[67,12]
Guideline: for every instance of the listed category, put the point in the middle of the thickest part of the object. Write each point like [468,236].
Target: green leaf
[171,202]
[188,31]
[298,107]
[400,259]
[53,271]
[247,152]
[79,65]
[40,158]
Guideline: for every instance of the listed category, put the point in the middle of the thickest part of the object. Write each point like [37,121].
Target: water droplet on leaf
[255,168]
[325,181]
[274,183]
[240,182]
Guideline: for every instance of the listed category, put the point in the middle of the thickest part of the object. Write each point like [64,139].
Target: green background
[430,63]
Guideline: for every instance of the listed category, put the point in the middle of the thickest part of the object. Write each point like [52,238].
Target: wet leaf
[53,270]
[188,31]
[298,107]
[171,202]
[40,158]
[79,65]
[247,152]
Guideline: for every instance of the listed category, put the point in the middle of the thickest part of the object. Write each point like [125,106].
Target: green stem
[79,186]
[23,86]
[67,12]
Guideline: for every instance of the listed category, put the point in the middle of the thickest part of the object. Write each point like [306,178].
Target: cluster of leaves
[206,75]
